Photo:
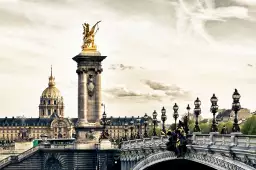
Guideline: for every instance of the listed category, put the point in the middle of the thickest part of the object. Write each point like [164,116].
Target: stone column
[98,113]
[82,98]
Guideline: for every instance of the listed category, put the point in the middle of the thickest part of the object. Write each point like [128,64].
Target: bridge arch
[54,161]
[214,161]
[53,164]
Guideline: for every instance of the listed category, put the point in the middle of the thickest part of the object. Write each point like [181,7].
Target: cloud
[192,17]
[122,67]
[172,91]
[13,18]
[246,2]
[122,92]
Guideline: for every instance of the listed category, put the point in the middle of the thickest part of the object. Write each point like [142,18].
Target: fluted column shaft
[82,98]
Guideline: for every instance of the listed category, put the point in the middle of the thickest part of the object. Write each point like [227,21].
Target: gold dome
[51,91]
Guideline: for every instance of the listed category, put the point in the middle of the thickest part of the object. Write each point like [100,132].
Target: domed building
[51,101]
[51,119]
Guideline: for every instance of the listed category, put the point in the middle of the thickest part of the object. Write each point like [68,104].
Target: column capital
[81,70]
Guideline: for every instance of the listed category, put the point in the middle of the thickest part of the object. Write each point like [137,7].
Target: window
[43,112]
[55,111]
[55,102]
[49,112]
[49,101]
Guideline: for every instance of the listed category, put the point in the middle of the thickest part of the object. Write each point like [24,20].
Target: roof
[120,121]
[31,121]
[25,121]
[114,121]
[226,113]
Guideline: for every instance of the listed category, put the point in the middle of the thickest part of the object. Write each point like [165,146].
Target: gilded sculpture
[89,35]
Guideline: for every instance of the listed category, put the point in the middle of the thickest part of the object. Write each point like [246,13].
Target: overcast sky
[159,52]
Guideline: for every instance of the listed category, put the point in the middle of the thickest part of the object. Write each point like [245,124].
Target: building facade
[50,121]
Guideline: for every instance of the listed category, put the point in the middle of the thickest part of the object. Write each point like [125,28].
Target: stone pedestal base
[105,144]
[85,145]
[211,142]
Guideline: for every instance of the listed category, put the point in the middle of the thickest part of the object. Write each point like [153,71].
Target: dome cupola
[51,101]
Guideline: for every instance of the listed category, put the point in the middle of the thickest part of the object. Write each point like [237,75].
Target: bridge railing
[145,143]
[238,140]
[11,159]
[5,162]
[27,153]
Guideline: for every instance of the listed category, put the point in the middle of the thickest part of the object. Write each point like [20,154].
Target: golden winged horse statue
[89,35]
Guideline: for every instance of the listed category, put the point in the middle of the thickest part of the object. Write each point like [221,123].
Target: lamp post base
[236,128]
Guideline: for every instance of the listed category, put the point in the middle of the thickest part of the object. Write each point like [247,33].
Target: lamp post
[214,109]
[132,127]
[154,122]
[236,107]
[188,109]
[145,125]
[197,111]
[125,129]
[104,122]
[163,117]
[175,114]
[188,118]
[138,128]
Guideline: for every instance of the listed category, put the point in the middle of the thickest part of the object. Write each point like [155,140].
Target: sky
[159,52]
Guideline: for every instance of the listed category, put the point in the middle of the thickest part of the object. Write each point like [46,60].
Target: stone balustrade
[236,149]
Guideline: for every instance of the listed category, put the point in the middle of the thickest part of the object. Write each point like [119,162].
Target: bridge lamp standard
[188,118]
[104,122]
[175,114]
[132,127]
[154,122]
[125,129]
[197,112]
[236,107]
[138,127]
[163,118]
[214,109]
[145,125]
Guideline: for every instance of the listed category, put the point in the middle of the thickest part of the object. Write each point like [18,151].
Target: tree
[150,131]
[191,125]
[249,127]
[220,126]
[229,126]
[205,128]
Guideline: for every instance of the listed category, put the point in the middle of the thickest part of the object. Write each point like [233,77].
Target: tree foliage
[150,130]
[249,127]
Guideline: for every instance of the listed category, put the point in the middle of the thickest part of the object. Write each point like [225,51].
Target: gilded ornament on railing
[89,35]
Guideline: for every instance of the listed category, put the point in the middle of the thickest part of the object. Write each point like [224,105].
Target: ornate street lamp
[197,111]
[138,128]
[125,129]
[187,120]
[145,125]
[163,117]
[132,127]
[214,109]
[236,107]
[154,122]
[175,114]
[104,122]
[188,109]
